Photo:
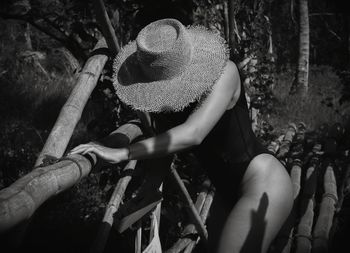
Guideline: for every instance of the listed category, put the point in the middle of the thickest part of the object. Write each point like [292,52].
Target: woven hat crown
[168,66]
[163,49]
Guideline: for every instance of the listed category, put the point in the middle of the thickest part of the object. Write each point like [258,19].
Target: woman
[183,77]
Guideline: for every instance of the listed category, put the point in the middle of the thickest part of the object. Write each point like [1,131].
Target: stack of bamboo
[312,159]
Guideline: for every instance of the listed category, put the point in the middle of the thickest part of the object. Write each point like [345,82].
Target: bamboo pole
[192,209]
[138,238]
[284,240]
[190,229]
[204,215]
[71,111]
[19,201]
[112,208]
[274,146]
[326,213]
[106,26]
[281,146]
[344,188]
[288,138]
[307,205]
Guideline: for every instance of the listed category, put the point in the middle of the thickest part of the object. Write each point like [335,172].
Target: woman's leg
[263,207]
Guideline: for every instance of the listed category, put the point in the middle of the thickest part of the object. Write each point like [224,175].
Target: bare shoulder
[231,70]
[230,83]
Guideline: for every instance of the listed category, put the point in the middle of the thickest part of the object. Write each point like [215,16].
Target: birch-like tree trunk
[302,76]
[232,28]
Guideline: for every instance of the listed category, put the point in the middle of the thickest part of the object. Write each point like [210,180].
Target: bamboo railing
[71,111]
[19,201]
[308,228]
[188,238]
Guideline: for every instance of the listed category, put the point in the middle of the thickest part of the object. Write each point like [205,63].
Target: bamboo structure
[287,140]
[192,209]
[311,234]
[307,205]
[19,201]
[190,229]
[326,213]
[106,26]
[274,146]
[71,111]
[204,215]
[112,208]
[284,239]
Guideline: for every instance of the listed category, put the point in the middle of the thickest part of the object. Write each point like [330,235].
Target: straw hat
[168,66]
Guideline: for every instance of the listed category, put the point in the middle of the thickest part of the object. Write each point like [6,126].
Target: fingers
[82,149]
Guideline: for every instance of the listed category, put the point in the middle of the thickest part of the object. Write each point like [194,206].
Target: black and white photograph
[174,126]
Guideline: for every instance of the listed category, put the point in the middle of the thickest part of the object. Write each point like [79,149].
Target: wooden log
[326,212]
[112,208]
[190,229]
[307,205]
[106,26]
[71,111]
[19,201]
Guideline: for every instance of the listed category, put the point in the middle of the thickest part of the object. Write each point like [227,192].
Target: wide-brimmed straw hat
[168,66]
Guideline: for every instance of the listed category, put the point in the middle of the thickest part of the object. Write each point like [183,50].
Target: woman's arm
[224,93]
[199,123]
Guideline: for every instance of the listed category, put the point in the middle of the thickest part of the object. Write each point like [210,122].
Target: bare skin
[264,179]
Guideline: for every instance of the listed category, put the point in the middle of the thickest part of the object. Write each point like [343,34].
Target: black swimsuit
[227,150]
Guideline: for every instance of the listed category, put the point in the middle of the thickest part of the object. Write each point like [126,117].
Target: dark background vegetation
[43,46]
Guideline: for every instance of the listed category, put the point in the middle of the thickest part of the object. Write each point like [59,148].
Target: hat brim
[209,57]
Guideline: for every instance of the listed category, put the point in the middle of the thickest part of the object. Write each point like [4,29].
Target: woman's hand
[110,155]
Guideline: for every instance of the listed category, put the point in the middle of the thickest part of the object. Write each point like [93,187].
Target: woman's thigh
[264,204]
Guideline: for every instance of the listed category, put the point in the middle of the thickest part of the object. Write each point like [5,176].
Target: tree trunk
[300,85]
[226,22]
[232,10]
[346,41]
[27,39]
